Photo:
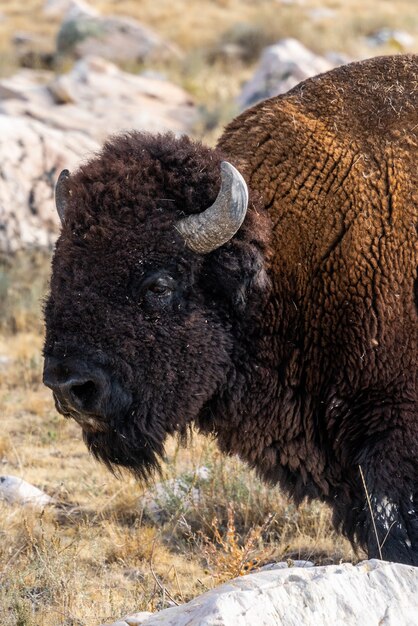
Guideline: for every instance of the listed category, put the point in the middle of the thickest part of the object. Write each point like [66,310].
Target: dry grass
[202,24]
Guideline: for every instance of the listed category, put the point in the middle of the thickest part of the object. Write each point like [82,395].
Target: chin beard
[139,453]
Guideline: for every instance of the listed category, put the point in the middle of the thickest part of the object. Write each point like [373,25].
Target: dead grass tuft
[228,555]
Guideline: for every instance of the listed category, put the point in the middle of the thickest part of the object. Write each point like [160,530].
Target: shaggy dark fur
[296,342]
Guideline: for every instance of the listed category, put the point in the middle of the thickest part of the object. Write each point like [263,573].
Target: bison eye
[161,286]
[154,290]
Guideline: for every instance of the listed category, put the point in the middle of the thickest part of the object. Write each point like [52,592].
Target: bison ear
[237,271]
[62,194]
[211,229]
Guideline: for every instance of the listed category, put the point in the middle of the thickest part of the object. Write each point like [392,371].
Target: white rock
[136,619]
[28,86]
[50,123]
[15,490]
[398,38]
[286,565]
[282,66]
[370,593]
[4,361]
[32,155]
[203,473]
[99,99]
[68,9]
[113,37]
[318,14]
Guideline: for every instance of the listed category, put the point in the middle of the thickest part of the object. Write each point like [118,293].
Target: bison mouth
[89,422]
[113,428]
[114,443]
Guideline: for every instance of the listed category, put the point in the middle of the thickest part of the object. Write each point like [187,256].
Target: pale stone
[7,92]
[32,156]
[68,9]
[400,39]
[282,66]
[28,86]
[113,37]
[286,565]
[318,14]
[4,361]
[99,99]
[137,619]
[50,123]
[15,490]
[372,592]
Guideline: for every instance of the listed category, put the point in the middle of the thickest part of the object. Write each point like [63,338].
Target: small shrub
[228,554]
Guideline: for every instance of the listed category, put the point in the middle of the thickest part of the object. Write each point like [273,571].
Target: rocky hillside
[72,92]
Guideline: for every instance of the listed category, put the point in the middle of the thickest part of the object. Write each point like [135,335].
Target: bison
[264,291]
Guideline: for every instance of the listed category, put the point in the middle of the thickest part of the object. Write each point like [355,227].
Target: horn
[216,225]
[61,194]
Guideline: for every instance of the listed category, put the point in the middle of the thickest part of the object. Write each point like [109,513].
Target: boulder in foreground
[372,592]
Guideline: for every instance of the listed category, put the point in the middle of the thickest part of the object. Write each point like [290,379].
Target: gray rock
[32,155]
[337,58]
[7,92]
[398,38]
[318,14]
[119,39]
[99,99]
[27,85]
[182,492]
[4,361]
[286,565]
[68,9]
[372,592]
[282,66]
[48,123]
[136,619]
[15,490]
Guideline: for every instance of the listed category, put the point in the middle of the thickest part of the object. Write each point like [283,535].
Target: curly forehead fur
[139,169]
[138,178]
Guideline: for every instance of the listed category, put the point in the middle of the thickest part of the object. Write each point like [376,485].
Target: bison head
[147,293]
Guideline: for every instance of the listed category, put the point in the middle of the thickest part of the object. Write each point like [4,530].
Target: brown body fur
[309,362]
[336,161]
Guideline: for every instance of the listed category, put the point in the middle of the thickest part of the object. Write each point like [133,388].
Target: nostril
[84,394]
[79,387]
